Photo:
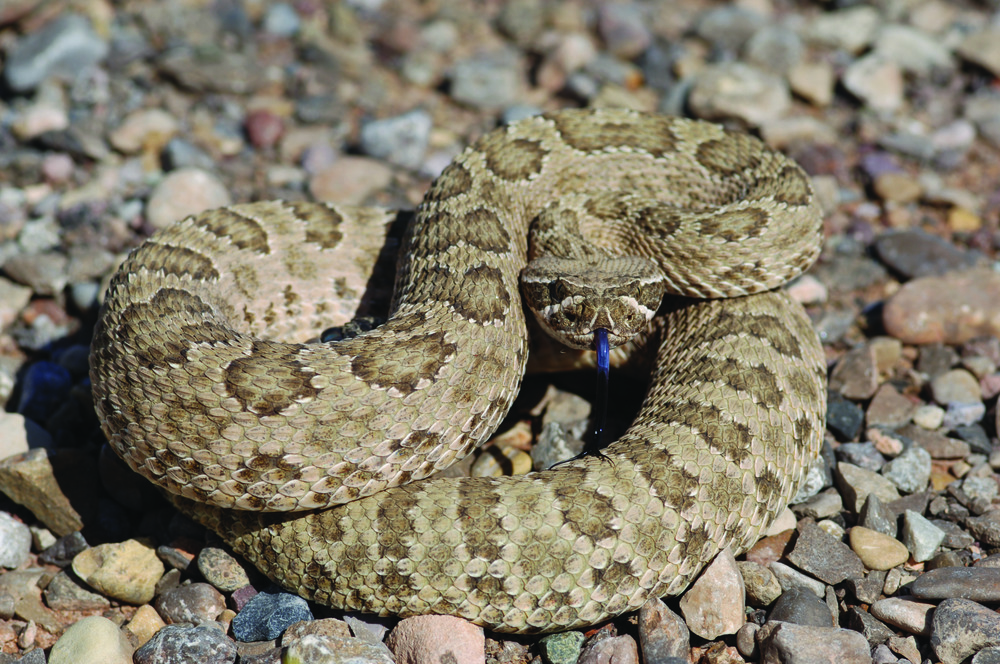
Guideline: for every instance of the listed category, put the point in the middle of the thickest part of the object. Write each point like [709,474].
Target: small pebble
[921,537]
[713,605]
[93,640]
[877,551]
[221,569]
[437,638]
[267,615]
[183,193]
[175,644]
[979,584]
[127,571]
[194,603]
[801,607]
[961,627]
[15,541]
[780,641]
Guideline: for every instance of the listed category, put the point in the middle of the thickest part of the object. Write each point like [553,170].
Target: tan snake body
[204,382]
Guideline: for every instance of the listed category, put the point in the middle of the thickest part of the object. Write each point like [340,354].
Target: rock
[979,584]
[144,624]
[789,578]
[851,29]
[869,588]
[855,375]
[65,47]
[333,649]
[28,480]
[183,193]
[93,640]
[611,649]
[870,627]
[662,633]
[961,414]
[897,187]
[350,180]
[876,81]
[175,644]
[961,628]
[938,445]
[624,29]
[746,641]
[15,541]
[787,642]
[914,617]
[824,556]
[876,550]
[562,648]
[762,588]
[436,638]
[147,129]
[714,603]
[910,471]
[801,607]
[843,418]
[889,408]
[44,273]
[876,516]
[267,615]
[221,71]
[264,128]
[951,309]
[915,253]
[856,484]
[65,593]
[929,417]
[774,48]
[281,20]
[863,455]
[736,90]
[401,140]
[221,569]
[821,506]
[921,537]
[913,50]
[194,603]
[985,527]
[487,81]
[127,571]
[813,81]
[955,385]
[982,48]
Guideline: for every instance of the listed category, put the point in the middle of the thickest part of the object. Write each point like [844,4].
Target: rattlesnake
[195,392]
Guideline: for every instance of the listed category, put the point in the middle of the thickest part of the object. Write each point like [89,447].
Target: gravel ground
[118,118]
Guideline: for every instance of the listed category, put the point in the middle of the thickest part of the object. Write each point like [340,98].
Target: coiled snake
[204,382]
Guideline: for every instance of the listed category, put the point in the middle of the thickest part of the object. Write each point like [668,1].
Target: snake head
[574,297]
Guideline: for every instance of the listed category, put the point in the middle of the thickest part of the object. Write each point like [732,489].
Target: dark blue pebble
[267,615]
[45,388]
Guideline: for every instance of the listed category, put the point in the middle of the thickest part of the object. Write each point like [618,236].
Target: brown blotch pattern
[512,160]
[758,381]
[717,429]
[322,224]
[178,261]
[737,225]
[243,231]
[735,153]
[480,295]
[479,227]
[642,133]
[404,366]
[455,180]
[795,186]
[269,380]
[153,346]
[759,326]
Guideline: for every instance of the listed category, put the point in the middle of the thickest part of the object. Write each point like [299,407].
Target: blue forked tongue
[603,369]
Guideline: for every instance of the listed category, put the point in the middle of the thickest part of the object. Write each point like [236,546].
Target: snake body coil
[204,382]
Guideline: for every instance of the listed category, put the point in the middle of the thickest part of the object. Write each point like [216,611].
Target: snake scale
[304,456]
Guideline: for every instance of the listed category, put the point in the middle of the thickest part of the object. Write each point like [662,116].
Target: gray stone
[856,484]
[15,541]
[979,584]
[801,607]
[65,47]
[910,471]
[824,556]
[876,516]
[798,644]
[175,644]
[864,455]
[961,628]
[400,140]
[921,537]
[487,82]
[736,90]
